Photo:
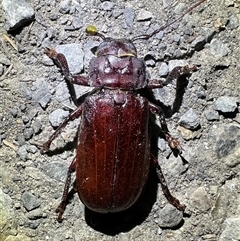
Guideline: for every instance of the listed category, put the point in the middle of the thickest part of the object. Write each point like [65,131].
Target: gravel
[202,112]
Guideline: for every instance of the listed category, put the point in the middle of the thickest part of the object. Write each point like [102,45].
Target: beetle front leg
[176,73]
[72,116]
[172,142]
[62,206]
[171,199]
[60,60]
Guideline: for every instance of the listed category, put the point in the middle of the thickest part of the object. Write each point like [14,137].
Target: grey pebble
[233,22]
[107,6]
[231,229]
[22,152]
[28,133]
[190,120]
[211,115]
[77,23]
[56,170]
[33,224]
[64,6]
[225,104]
[37,126]
[35,214]
[129,15]
[218,49]
[41,93]
[144,15]
[25,119]
[74,55]
[4,60]
[30,202]
[47,61]
[62,93]
[227,141]
[57,117]
[169,217]
[198,43]
[117,13]
[32,149]
[163,69]
[14,112]
[17,13]
[200,199]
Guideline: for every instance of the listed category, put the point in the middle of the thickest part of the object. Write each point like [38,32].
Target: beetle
[113,153]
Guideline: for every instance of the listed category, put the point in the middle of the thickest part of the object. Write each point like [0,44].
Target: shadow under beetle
[113,154]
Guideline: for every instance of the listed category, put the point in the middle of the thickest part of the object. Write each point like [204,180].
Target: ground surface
[206,179]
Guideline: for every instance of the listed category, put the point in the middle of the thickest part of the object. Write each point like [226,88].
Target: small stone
[74,55]
[32,149]
[233,22]
[14,112]
[107,6]
[161,144]
[35,214]
[185,133]
[169,217]
[163,70]
[57,117]
[211,115]
[129,15]
[25,119]
[4,60]
[22,152]
[56,170]
[233,159]
[144,15]
[18,12]
[41,93]
[231,230]
[30,202]
[37,126]
[7,220]
[200,199]
[225,104]
[218,49]
[190,120]
[64,6]
[28,133]
[198,43]
[77,23]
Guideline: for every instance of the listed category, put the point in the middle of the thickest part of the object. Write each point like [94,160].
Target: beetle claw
[174,143]
[50,52]
[60,210]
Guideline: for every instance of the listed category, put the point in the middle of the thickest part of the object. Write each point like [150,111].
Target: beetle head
[110,46]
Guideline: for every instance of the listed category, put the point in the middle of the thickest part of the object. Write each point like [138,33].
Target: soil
[205,177]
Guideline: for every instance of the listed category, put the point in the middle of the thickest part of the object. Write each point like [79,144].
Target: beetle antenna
[147,36]
[92,31]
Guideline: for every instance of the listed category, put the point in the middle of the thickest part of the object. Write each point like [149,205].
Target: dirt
[205,177]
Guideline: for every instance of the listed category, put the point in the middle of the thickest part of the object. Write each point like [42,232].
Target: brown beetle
[113,152]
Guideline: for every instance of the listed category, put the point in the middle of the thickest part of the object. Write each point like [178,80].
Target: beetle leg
[60,60]
[174,74]
[172,142]
[72,116]
[171,199]
[62,206]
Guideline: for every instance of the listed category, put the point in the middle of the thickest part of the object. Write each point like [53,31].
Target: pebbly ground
[34,100]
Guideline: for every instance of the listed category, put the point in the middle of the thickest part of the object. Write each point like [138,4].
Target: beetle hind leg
[66,194]
[171,199]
